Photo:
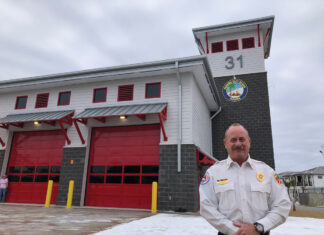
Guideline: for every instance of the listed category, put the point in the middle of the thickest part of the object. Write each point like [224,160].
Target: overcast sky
[44,36]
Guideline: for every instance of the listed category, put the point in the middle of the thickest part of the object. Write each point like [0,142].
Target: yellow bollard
[70,194]
[154,197]
[49,194]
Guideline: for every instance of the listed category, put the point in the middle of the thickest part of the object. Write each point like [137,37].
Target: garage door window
[13,178]
[132,169]
[97,179]
[27,178]
[114,169]
[113,179]
[98,169]
[130,174]
[28,169]
[149,179]
[41,178]
[34,174]
[42,169]
[131,179]
[55,169]
[14,169]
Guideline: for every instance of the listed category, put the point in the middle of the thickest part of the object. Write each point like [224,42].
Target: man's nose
[237,142]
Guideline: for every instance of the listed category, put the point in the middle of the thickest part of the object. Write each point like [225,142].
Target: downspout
[211,120]
[179,115]
[217,112]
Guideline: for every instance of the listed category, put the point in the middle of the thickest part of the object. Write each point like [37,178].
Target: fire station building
[116,130]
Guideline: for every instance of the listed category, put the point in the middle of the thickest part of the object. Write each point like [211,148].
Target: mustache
[238,148]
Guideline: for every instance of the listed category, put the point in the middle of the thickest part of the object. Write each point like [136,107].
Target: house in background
[311,180]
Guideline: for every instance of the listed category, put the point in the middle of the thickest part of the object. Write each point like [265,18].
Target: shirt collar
[229,162]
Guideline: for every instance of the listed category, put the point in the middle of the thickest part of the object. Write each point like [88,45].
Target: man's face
[237,143]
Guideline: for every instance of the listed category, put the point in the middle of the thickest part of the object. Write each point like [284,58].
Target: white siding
[81,98]
[187,81]
[318,182]
[252,58]
[201,125]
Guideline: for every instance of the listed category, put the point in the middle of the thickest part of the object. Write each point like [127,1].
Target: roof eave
[237,24]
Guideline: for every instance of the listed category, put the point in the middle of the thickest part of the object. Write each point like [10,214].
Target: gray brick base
[71,172]
[178,191]
[253,112]
[2,153]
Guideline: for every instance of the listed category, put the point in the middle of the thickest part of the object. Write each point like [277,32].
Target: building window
[232,45]
[21,102]
[217,47]
[125,92]
[42,100]
[64,98]
[99,95]
[320,177]
[153,90]
[248,43]
[118,174]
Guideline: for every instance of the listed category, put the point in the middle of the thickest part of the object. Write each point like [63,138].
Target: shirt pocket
[260,196]
[226,196]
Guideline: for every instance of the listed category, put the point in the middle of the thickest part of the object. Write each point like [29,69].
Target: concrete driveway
[35,219]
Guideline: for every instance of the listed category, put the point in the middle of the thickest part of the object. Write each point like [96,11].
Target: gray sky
[43,37]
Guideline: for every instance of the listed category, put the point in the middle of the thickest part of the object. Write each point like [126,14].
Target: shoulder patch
[205,179]
[279,181]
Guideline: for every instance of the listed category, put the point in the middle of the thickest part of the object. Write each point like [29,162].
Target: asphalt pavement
[34,219]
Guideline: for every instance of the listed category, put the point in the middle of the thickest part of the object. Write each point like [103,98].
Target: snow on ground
[175,224]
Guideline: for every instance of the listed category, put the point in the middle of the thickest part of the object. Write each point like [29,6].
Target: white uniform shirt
[247,194]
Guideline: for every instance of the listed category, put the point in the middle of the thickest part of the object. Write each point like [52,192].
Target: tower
[236,54]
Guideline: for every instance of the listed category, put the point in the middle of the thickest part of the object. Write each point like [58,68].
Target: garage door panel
[32,157]
[126,149]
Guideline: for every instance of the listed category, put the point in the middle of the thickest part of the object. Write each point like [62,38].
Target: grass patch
[307,213]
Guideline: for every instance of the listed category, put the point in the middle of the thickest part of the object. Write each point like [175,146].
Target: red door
[122,166]
[34,159]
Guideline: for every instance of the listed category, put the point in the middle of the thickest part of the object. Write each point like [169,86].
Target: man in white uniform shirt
[240,195]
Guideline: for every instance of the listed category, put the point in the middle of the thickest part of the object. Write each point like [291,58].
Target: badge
[222,181]
[260,176]
[205,179]
[235,90]
[279,181]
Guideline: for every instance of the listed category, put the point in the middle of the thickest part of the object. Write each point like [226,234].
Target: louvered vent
[217,47]
[232,45]
[42,100]
[247,43]
[125,93]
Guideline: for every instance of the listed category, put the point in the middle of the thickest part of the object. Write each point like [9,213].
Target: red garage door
[122,166]
[35,158]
